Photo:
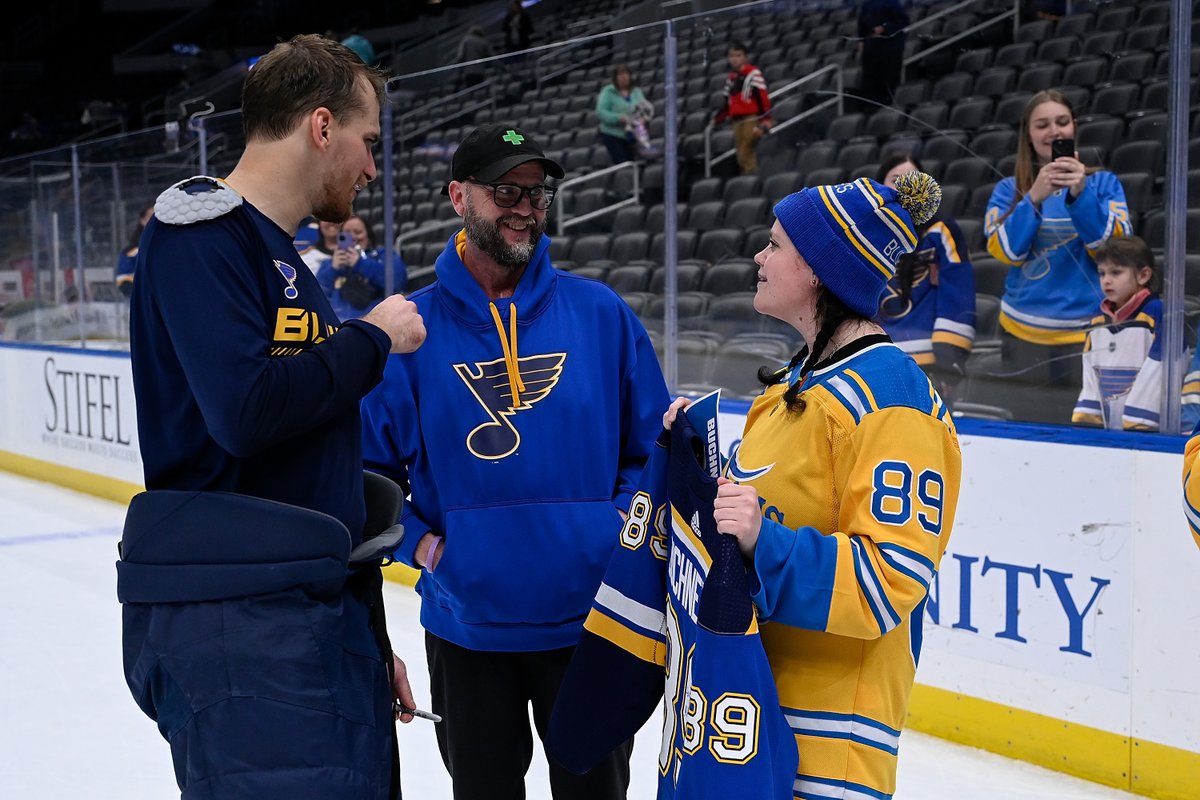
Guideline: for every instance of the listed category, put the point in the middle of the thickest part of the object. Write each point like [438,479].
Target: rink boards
[1063,627]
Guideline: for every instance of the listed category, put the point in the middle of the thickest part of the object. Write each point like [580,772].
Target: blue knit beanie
[853,234]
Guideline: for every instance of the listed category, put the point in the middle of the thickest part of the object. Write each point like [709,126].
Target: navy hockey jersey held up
[673,620]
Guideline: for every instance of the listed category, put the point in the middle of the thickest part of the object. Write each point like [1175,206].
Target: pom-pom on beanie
[853,234]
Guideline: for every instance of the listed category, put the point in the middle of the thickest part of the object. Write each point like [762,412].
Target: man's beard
[333,207]
[488,238]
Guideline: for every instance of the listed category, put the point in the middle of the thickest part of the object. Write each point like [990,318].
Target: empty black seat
[968,171]
[688,276]
[994,144]
[590,247]
[1074,24]
[781,184]
[1143,156]
[1116,99]
[990,274]
[1101,43]
[740,187]
[1087,71]
[954,197]
[1011,107]
[747,213]
[1151,126]
[733,314]
[1017,54]
[970,113]
[930,115]
[845,126]
[1139,191]
[704,216]
[977,203]
[705,190]
[856,153]
[1059,48]
[628,278]
[719,244]
[1102,132]
[953,85]
[1145,37]
[974,61]
[685,245]
[1036,77]
[825,176]
[627,247]
[995,81]
[1132,66]
[729,277]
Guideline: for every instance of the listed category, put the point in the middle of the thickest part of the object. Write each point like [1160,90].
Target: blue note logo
[289,274]
[502,398]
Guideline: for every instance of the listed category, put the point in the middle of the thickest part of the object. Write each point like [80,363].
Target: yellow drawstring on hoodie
[509,345]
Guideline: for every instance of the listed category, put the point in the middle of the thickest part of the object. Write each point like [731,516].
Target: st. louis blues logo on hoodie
[502,393]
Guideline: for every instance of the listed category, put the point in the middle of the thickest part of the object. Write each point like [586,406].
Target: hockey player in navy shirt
[252,622]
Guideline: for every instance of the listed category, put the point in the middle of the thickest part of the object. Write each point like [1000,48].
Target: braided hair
[832,312]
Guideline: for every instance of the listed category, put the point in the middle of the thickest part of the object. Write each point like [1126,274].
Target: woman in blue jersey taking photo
[1045,222]
[354,276]
[843,489]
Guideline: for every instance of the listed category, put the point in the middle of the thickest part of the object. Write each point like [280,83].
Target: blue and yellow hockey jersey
[674,613]
[1053,289]
[935,322]
[858,494]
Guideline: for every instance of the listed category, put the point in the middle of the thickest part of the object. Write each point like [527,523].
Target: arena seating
[960,115]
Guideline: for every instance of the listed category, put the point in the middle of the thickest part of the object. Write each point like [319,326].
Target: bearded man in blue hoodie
[522,428]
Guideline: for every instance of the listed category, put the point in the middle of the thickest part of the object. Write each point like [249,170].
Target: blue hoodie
[521,471]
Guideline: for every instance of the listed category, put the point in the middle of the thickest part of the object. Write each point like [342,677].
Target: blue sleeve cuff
[792,576]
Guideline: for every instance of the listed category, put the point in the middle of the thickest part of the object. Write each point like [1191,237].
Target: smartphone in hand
[1062,147]
[345,240]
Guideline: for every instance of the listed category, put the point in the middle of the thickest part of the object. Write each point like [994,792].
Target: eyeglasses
[507,195]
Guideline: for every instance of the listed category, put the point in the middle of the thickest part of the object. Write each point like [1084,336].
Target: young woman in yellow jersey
[843,489]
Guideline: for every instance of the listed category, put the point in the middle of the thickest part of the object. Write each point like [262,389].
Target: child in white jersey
[1122,357]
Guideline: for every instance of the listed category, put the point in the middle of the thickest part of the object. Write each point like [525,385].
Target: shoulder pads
[196,199]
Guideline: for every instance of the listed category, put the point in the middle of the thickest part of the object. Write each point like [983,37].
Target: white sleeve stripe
[914,569]
[961,328]
[871,587]
[644,616]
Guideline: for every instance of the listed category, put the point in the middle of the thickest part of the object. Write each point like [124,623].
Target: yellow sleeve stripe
[941,230]
[946,337]
[127,278]
[636,644]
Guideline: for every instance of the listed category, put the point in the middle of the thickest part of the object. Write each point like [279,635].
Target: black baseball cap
[489,151]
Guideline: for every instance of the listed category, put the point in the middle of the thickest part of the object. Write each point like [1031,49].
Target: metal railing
[837,99]
[562,221]
[1014,13]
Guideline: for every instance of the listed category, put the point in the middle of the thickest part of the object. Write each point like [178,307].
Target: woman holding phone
[354,275]
[1045,222]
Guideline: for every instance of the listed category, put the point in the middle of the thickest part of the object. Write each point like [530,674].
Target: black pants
[484,737]
[620,150]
